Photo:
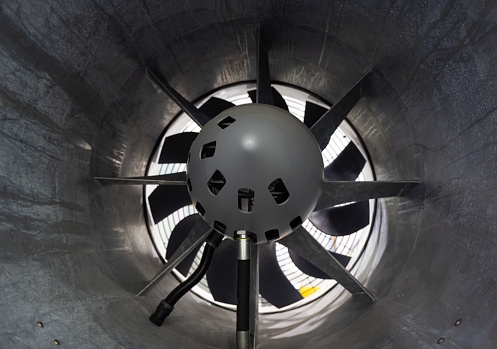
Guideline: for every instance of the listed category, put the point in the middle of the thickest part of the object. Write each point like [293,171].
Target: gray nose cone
[257,168]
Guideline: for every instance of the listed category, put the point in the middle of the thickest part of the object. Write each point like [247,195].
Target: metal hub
[255,168]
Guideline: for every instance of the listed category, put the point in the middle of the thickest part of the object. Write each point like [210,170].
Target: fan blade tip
[307,267]
[221,275]
[177,147]
[341,258]
[278,100]
[214,106]
[274,285]
[341,220]
[313,113]
[347,166]
[161,207]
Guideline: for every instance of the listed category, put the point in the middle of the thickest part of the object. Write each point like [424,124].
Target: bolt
[458,322]
[56,342]
[40,324]
[440,340]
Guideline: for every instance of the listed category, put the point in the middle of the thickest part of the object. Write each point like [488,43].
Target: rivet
[440,340]
[40,324]
[458,322]
[56,342]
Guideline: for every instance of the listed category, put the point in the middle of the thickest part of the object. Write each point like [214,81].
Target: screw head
[440,340]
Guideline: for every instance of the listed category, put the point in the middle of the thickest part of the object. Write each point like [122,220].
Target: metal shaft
[243,291]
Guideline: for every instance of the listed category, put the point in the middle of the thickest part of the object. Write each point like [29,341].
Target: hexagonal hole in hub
[226,122]
[208,150]
[216,182]
[278,191]
[246,199]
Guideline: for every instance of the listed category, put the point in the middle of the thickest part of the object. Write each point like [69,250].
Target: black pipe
[243,291]
[243,295]
[166,306]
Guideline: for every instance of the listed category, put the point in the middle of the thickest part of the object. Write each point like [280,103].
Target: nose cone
[261,172]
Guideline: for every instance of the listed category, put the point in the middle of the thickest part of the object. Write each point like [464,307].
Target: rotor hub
[255,168]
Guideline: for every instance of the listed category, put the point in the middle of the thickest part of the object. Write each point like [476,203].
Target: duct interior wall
[76,103]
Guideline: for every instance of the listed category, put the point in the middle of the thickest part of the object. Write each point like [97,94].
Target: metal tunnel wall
[76,103]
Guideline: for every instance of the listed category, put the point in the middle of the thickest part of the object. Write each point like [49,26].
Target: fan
[221,281]
[256,171]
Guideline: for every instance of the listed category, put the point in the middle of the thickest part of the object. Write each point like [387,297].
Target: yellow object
[307,291]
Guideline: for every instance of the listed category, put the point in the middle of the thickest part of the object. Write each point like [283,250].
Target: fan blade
[264,90]
[197,235]
[334,193]
[310,269]
[342,220]
[174,179]
[166,199]
[307,267]
[341,258]
[347,166]
[253,95]
[221,276]
[312,113]
[176,148]
[178,235]
[278,99]
[214,106]
[304,244]
[273,284]
[329,122]
[197,115]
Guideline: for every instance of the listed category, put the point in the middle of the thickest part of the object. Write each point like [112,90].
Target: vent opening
[226,122]
[208,150]
[246,200]
[278,191]
[216,182]
[200,208]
